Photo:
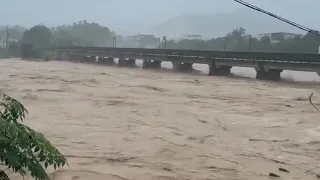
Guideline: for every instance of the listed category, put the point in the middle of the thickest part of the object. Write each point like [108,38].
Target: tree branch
[310,100]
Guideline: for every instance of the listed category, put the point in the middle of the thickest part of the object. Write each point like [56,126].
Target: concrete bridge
[267,65]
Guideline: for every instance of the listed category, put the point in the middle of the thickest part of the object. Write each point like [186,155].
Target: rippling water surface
[128,123]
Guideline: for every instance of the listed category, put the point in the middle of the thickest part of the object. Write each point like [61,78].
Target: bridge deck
[283,57]
[261,61]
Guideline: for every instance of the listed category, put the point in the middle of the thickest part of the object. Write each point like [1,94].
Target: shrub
[22,149]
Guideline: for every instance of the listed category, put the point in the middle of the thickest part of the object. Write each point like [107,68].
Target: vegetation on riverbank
[84,33]
[22,149]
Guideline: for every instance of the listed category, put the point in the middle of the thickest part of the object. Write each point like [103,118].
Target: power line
[278,17]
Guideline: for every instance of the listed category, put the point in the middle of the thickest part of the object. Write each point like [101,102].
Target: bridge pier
[89,59]
[185,67]
[126,63]
[219,71]
[121,62]
[106,60]
[82,59]
[270,74]
[75,58]
[151,64]
[64,57]
[55,55]
[131,62]
[176,66]
[92,59]
[275,74]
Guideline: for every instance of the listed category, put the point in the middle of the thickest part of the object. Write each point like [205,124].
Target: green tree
[265,44]
[21,148]
[311,43]
[217,44]
[39,36]
[13,49]
[236,39]
[63,37]
[291,45]
[15,32]
[89,33]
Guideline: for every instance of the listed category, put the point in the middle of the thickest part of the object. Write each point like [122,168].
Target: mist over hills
[218,25]
[210,18]
[173,18]
[97,25]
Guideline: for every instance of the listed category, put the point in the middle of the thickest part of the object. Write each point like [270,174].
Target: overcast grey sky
[120,14]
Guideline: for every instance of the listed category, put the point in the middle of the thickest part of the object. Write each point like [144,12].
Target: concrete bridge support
[131,62]
[89,59]
[75,58]
[151,64]
[126,63]
[176,66]
[219,71]
[92,59]
[55,55]
[270,74]
[106,60]
[64,57]
[185,67]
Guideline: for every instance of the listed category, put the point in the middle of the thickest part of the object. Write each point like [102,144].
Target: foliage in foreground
[22,149]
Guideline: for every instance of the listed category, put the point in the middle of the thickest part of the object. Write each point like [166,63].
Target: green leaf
[21,148]
[36,149]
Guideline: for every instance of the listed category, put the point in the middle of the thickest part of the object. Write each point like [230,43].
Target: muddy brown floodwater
[127,123]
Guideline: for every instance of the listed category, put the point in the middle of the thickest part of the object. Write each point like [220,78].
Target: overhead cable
[278,17]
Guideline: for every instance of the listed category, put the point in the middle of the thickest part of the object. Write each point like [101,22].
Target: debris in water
[283,170]
[273,175]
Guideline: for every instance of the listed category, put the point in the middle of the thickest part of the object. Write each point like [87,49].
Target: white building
[277,36]
[190,37]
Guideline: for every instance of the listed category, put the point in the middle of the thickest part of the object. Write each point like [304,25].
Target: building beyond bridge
[276,37]
[190,37]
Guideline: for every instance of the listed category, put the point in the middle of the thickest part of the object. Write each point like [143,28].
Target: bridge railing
[278,57]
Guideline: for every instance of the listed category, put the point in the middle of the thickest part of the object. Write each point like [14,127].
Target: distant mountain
[218,25]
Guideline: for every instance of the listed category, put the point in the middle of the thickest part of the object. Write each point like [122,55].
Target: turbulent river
[127,123]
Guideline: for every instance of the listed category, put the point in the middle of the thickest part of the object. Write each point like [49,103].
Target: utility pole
[225,44]
[159,41]
[7,38]
[250,43]
[114,41]
[165,41]
[78,41]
